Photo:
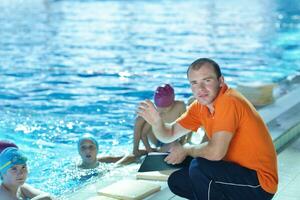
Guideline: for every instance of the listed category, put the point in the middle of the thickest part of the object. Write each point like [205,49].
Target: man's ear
[221,81]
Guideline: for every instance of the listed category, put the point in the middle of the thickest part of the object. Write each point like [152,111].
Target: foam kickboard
[155,175]
[130,189]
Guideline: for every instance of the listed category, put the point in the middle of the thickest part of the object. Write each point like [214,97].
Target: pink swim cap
[164,96]
[5,143]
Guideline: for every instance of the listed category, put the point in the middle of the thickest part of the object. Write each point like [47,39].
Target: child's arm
[34,194]
[138,127]
[146,130]
[109,159]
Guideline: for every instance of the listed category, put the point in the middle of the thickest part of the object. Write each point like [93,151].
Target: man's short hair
[197,64]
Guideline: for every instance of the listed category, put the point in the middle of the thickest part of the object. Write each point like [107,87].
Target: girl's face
[16,175]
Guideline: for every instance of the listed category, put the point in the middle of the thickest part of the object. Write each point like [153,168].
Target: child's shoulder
[4,194]
[177,109]
[2,191]
[179,105]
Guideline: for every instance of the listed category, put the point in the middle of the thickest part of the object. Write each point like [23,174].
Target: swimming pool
[70,67]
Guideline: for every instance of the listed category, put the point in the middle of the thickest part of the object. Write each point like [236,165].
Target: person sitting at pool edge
[238,161]
[169,109]
[13,172]
[88,150]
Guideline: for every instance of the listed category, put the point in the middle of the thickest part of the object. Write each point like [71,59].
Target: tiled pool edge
[286,137]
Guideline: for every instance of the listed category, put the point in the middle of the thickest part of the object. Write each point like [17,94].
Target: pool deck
[283,120]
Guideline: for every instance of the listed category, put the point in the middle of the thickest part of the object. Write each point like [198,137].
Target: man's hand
[177,154]
[148,111]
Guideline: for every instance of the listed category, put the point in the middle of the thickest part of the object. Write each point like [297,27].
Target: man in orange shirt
[238,161]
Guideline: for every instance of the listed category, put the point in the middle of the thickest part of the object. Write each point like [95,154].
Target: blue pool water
[69,67]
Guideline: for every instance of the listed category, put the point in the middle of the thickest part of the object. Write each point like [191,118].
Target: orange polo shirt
[251,145]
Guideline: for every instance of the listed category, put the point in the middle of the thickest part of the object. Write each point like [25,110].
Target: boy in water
[88,150]
[13,172]
[169,109]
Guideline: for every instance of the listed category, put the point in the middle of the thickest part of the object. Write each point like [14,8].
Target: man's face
[16,175]
[88,152]
[204,84]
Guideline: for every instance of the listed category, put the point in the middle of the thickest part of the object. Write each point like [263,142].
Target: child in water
[88,150]
[13,172]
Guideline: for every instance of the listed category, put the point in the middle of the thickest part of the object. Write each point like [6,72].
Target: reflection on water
[75,177]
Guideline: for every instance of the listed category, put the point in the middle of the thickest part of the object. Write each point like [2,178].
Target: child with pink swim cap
[164,96]
[169,108]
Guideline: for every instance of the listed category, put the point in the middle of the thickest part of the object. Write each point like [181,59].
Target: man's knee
[173,181]
[179,183]
[199,167]
[177,180]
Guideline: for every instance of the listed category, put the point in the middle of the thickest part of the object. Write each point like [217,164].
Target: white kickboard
[130,189]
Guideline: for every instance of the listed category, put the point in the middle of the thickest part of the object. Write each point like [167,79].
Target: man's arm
[214,149]
[166,133]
